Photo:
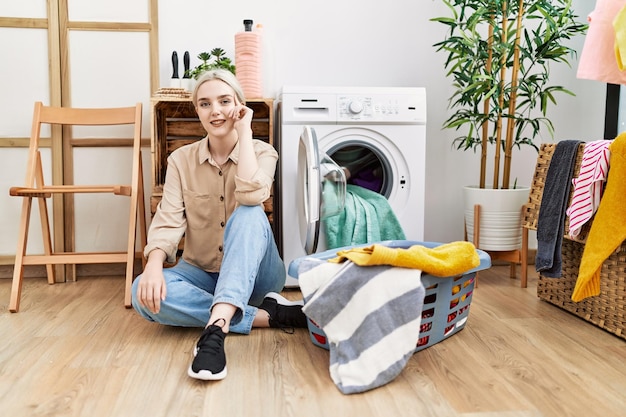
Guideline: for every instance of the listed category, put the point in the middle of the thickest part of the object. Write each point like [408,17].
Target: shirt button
[222,224]
[221,173]
[220,249]
[221,198]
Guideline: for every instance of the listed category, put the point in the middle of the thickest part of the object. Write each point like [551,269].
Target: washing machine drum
[362,167]
[321,188]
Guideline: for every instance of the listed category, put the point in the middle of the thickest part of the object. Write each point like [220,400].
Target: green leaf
[545,39]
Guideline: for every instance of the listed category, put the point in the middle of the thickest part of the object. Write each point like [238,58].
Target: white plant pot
[500,216]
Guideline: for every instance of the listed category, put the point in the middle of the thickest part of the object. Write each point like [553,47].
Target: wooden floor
[74,350]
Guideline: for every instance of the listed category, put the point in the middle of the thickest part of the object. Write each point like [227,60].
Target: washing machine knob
[356,107]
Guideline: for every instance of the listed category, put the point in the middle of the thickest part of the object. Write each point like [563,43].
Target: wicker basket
[531,209]
[606,310]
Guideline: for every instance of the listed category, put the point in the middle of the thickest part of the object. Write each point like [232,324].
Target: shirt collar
[205,155]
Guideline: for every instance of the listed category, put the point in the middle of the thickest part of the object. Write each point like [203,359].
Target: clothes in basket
[371,317]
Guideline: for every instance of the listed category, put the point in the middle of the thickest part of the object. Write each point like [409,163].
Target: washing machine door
[321,189]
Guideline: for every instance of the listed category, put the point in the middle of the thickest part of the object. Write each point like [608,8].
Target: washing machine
[324,134]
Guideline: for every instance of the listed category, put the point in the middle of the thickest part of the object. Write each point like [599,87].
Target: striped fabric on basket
[588,185]
[371,316]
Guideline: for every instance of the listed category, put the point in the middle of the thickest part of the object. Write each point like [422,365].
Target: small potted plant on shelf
[211,60]
[499,54]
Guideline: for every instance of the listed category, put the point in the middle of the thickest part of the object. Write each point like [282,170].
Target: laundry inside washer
[361,167]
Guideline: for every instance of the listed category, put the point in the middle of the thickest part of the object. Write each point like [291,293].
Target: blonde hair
[222,75]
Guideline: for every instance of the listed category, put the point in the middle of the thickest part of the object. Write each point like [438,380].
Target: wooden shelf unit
[174,123]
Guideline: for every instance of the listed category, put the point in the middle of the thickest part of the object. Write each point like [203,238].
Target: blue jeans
[251,268]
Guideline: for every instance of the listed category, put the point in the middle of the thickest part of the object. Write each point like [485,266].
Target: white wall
[373,43]
[369,43]
[107,68]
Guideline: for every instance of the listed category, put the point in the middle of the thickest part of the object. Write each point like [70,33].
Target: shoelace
[208,344]
[275,321]
[282,322]
[219,325]
[284,328]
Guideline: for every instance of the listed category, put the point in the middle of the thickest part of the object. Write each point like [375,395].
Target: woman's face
[215,100]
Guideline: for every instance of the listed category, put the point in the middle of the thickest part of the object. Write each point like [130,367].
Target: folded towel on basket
[588,185]
[551,221]
[442,261]
[367,217]
[608,229]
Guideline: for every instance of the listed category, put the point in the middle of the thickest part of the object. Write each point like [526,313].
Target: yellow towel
[619,24]
[442,261]
[608,229]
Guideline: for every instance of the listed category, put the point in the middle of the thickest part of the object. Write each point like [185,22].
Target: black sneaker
[284,314]
[209,361]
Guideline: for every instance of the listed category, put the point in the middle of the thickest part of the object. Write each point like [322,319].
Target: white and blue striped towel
[370,314]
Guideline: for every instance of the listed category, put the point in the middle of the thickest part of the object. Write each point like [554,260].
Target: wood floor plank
[74,350]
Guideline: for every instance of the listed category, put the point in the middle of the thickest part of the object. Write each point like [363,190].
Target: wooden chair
[36,189]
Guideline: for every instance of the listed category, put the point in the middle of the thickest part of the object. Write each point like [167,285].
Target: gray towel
[551,221]
[371,316]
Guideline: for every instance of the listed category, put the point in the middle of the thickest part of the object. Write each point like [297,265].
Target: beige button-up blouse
[198,198]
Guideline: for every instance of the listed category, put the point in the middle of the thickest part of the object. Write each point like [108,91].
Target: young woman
[230,271]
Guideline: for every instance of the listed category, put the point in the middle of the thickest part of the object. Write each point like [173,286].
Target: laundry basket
[446,303]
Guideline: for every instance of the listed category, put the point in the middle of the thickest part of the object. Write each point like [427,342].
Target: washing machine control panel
[377,108]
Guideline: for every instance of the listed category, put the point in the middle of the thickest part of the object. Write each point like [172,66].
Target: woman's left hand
[242,115]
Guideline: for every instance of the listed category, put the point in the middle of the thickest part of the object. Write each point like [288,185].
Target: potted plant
[211,60]
[499,54]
